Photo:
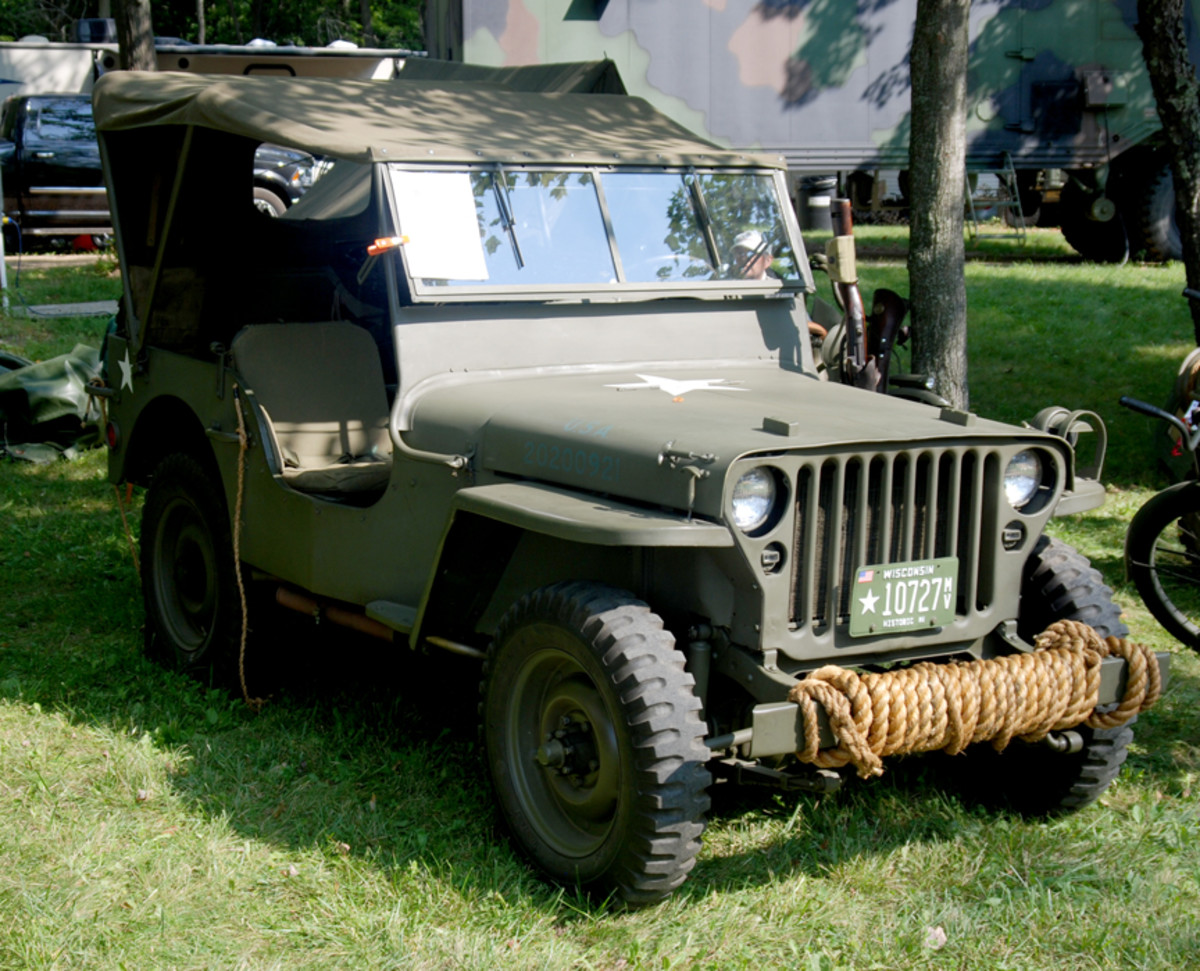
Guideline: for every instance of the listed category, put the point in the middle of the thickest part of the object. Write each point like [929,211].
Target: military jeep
[499,385]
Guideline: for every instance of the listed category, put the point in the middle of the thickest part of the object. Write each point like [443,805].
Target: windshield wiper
[504,204]
[706,227]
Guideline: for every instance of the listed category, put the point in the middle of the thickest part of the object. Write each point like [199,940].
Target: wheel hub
[570,751]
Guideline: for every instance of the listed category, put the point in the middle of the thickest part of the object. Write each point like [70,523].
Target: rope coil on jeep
[929,706]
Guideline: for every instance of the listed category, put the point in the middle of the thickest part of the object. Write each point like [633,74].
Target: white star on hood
[674,387]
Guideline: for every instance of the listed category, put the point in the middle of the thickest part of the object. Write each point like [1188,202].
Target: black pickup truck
[54,186]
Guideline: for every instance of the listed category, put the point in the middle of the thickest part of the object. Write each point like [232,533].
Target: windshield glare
[529,228]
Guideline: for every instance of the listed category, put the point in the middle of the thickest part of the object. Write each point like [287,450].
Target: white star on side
[675,388]
[868,603]
[126,372]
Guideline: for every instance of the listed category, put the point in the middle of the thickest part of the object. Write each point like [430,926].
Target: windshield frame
[622,289]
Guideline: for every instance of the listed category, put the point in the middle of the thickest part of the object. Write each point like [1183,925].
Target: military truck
[1052,85]
[527,378]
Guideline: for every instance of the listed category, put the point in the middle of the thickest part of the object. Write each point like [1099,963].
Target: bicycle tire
[1162,558]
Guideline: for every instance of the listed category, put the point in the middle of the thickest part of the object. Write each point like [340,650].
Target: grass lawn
[152,822]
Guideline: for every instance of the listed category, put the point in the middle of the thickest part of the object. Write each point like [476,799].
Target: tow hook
[1065,743]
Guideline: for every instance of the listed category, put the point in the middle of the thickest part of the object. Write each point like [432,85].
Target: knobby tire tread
[1158,232]
[661,713]
[1059,583]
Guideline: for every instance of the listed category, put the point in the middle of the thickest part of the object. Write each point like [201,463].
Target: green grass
[152,822]
[40,281]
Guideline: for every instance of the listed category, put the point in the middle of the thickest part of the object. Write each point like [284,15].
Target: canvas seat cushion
[320,391]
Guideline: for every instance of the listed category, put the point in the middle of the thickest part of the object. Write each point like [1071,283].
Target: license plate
[898,597]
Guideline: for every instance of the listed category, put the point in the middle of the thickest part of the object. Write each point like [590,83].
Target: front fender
[488,523]
[587,519]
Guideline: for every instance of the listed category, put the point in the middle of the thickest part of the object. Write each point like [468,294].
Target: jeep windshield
[595,231]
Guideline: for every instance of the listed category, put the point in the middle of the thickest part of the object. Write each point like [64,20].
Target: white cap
[750,240]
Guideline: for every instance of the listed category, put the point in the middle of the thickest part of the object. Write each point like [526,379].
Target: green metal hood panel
[635,434]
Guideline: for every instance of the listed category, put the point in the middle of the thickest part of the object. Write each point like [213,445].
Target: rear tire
[594,743]
[1095,240]
[1158,229]
[193,611]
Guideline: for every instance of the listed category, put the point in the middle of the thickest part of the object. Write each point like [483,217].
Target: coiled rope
[929,706]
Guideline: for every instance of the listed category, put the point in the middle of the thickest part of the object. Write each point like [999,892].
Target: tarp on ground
[45,409]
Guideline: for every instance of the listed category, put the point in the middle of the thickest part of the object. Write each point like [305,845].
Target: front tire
[594,742]
[1058,584]
[269,203]
[193,612]
[1162,558]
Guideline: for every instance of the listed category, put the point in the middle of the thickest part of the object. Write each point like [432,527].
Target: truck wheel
[1058,584]
[268,202]
[193,614]
[1093,239]
[1158,228]
[594,743]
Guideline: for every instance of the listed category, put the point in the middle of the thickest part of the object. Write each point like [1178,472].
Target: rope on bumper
[929,706]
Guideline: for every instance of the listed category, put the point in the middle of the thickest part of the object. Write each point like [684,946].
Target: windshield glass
[594,229]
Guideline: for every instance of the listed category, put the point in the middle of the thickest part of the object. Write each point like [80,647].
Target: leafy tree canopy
[311,23]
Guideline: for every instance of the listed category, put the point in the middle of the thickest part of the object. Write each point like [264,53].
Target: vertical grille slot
[886,508]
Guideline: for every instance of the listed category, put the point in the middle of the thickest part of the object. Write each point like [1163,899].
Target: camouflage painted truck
[1054,85]
[505,383]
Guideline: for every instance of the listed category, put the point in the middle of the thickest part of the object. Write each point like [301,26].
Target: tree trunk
[364,7]
[937,170]
[237,22]
[200,31]
[135,35]
[1177,93]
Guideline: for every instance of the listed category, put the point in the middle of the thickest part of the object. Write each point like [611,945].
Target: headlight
[753,499]
[1022,478]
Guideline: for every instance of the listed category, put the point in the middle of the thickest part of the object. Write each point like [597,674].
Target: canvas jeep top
[527,378]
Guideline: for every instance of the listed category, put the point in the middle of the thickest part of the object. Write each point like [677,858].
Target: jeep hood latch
[690,464]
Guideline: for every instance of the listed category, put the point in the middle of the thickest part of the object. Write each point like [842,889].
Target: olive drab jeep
[500,385]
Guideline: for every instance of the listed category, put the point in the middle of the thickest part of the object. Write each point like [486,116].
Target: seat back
[321,387]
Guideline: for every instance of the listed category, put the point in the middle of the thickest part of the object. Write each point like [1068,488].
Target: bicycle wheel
[1162,558]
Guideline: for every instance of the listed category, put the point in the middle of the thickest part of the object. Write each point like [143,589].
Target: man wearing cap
[751,256]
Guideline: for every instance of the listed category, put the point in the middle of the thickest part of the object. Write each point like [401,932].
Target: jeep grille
[883,508]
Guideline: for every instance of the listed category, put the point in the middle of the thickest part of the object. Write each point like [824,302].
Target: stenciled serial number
[566,457]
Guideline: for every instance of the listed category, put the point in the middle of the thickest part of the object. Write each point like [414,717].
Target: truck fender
[487,522]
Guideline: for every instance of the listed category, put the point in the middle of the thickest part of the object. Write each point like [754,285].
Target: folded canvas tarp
[45,410]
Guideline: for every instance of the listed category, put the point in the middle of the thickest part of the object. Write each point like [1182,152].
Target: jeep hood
[632,433]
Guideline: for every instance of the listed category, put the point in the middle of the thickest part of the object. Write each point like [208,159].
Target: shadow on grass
[370,751]
[372,755]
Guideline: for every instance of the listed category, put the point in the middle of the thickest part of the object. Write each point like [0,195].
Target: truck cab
[53,183]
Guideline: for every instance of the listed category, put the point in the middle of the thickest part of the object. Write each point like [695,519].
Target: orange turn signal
[385,243]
